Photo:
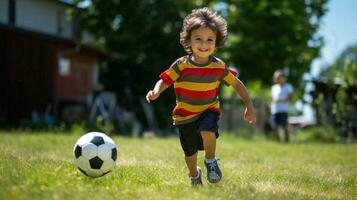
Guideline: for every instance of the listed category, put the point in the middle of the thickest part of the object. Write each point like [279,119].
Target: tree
[146,36]
[263,35]
[344,68]
[266,35]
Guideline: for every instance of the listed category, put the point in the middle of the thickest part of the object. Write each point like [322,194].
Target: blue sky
[339,28]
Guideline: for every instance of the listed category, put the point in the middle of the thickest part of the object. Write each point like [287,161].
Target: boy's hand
[249,116]
[152,95]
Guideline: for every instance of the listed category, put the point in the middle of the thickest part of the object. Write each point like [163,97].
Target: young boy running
[196,78]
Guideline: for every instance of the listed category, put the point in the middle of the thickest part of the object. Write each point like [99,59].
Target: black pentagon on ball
[78,151]
[114,154]
[97,140]
[95,163]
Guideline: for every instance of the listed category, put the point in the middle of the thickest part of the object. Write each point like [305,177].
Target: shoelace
[213,166]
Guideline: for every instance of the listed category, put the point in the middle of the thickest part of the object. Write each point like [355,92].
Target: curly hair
[203,17]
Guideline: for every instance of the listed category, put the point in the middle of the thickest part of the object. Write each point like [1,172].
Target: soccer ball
[95,154]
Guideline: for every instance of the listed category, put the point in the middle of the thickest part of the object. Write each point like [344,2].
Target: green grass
[39,166]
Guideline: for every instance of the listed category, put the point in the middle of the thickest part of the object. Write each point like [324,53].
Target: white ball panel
[85,139]
[104,152]
[107,165]
[94,172]
[82,163]
[89,150]
[110,144]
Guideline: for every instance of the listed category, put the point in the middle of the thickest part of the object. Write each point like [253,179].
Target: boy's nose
[205,43]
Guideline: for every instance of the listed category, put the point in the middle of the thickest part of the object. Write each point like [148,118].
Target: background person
[281,93]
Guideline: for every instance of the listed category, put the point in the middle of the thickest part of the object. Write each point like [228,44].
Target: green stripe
[199,79]
[197,101]
[176,69]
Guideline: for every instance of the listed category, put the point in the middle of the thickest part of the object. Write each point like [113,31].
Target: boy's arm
[160,86]
[242,91]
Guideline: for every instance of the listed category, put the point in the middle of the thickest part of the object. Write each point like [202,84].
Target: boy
[196,78]
[281,95]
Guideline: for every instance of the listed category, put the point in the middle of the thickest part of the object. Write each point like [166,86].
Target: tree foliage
[267,35]
[263,35]
[341,93]
[344,69]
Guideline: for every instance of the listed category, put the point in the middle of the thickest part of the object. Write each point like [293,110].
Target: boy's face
[203,43]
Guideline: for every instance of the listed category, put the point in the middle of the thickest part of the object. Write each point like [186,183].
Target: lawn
[39,166]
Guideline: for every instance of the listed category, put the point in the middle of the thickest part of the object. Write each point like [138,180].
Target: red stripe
[166,78]
[233,72]
[196,94]
[182,112]
[202,72]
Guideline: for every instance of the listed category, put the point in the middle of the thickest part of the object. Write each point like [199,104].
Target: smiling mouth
[203,50]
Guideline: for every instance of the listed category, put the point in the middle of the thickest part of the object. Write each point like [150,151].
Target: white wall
[41,16]
[4,11]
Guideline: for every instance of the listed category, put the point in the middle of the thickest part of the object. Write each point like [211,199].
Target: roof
[67,3]
[102,53]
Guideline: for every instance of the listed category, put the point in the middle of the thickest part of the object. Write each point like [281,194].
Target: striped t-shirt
[196,86]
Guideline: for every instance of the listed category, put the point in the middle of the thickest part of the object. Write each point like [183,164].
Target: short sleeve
[172,74]
[229,76]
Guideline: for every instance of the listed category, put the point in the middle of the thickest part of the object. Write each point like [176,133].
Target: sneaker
[214,174]
[196,180]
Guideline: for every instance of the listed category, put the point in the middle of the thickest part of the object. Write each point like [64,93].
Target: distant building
[44,66]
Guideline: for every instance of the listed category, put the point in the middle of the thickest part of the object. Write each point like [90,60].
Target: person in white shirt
[281,93]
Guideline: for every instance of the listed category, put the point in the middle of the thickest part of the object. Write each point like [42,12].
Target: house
[44,66]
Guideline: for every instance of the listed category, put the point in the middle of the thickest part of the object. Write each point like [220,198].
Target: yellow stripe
[197,86]
[229,78]
[187,64]
[196,108]
[179,118]
[182,66]
[173,75]
[217,65]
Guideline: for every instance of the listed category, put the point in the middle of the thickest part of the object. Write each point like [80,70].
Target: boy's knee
[209,135]
[190,152]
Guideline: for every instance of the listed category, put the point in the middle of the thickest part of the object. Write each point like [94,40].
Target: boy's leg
[285,126]
[195,172]
[190,140]
[209,144]
[208,129]
[276,119]
[191,162]
[214,174]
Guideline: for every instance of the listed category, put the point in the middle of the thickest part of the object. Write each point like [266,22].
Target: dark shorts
[281,119]
[190,136]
